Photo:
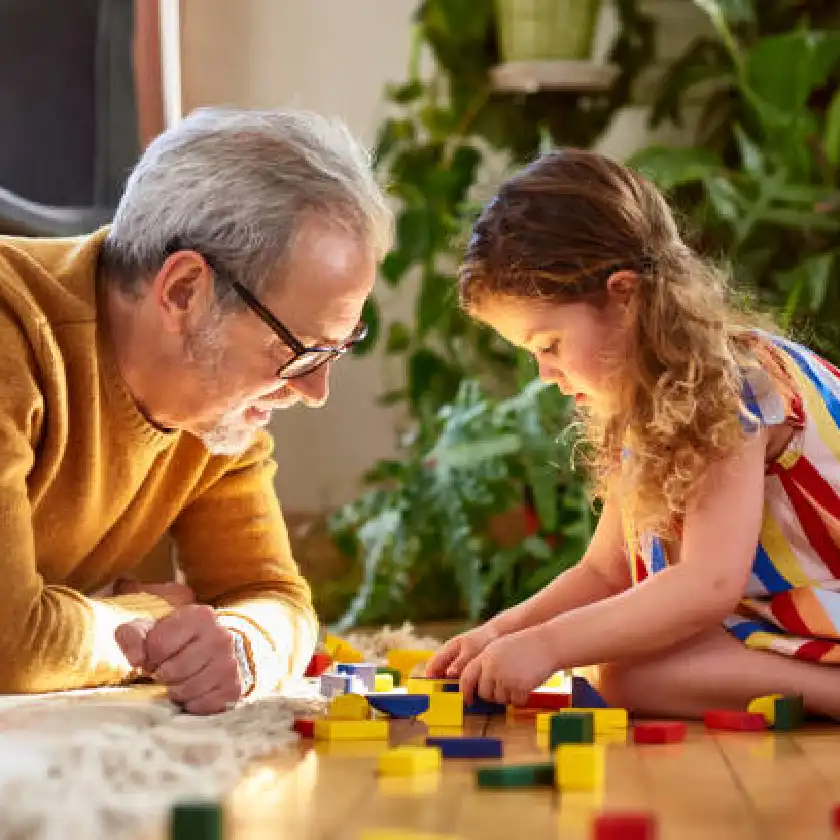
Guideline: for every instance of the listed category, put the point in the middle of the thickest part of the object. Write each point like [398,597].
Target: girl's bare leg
[715,671]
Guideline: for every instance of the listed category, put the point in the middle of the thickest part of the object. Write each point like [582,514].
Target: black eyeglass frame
[323,353]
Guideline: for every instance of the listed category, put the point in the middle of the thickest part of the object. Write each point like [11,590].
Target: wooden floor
[714,786]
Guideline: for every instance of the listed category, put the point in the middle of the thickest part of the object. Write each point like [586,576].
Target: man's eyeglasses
[305,359]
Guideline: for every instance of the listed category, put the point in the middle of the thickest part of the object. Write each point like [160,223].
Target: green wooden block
[517,776]
[572,728]
[393,672]
[198,820]
[789,712]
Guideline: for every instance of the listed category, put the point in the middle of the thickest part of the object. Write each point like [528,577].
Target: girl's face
[578,346]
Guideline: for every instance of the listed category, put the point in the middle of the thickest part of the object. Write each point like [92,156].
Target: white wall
[335,56]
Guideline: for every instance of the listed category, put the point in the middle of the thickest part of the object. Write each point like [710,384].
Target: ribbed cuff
[140,605]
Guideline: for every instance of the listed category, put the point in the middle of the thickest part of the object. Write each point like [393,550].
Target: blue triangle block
[399,705]
[585,697]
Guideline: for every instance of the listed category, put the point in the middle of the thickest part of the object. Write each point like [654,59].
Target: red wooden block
[835,817]
[734,721]
[319,663]
[548,700]
[305,727]
[659,732]
[624,825]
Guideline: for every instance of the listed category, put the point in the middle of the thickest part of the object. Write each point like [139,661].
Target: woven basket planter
[540,30]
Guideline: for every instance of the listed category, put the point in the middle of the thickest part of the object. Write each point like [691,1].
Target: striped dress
[792,601]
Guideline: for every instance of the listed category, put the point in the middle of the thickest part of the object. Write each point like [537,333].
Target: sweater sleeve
[234,551]
[51,637]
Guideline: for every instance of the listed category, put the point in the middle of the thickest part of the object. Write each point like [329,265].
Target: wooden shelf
[571,76]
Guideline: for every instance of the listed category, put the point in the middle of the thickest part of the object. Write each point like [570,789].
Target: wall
[335,56]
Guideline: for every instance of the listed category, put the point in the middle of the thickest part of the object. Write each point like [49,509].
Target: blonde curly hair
[555,232]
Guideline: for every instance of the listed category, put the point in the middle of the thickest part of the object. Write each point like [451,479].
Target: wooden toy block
[659,732]
[517,776]
[405,661]
[548,700]
[579,766]
[445,709]
[319,664]
[571,728]
[341,651]
[190,819]
[407,761]
[403,834]
[835,818]
[603,720]
[400,705]
[365,672]
[584,696]
[731,721]
[764,706]
[624,825]
[349,707]
[525,713]
[479,706]
[333,684]
[394,672]
[467,747]
[555,681]
[305,727]
[429,685]
[351,730]
[781,712]
[383,683]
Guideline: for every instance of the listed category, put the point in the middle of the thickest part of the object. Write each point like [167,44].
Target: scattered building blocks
[480,706]
[399,705]
[350,730]
[734,721]
[407,761]
[603,720]
[467,747]
[319,664]
[624,825]
[548,700]
[659,732]
[405,661]
[781,712]
[571,728]
[579,766]
[365,672]
[348,707]
[445,709]
[394,672]
[305,727]
[585,696]
[517,776]
[383,683]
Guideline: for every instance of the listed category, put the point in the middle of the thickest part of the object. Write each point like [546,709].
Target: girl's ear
[622,285]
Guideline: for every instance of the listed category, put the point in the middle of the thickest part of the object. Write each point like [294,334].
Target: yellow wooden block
[421,685]
[349,707]
[558,680]
[402,834]
[407,761]
[446,708]
[341,651]
[405,661]
[604,721]
[765,706]
[350,730]
[579,766]
[383,683]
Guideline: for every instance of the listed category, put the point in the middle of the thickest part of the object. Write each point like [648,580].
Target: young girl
[714,574]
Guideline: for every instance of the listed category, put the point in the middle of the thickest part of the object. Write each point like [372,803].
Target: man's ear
[182,290]
[622,285]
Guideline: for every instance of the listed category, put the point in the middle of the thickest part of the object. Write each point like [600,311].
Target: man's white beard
[232,435]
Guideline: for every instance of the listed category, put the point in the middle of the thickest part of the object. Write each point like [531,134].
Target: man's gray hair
[235,186]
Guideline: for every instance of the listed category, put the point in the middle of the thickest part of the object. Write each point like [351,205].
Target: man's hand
[191,653]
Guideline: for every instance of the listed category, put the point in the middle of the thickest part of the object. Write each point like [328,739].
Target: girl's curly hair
[556,231]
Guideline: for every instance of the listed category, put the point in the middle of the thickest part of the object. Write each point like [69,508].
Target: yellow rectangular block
[402,834]
[350,730]
[579,766]
[383,683]
[405,661]
[446,708]
[765,706]
[341,651]
[421,685]
[407,761]
[348,707]
[603,720]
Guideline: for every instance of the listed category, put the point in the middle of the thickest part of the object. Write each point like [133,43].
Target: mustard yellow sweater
[88,487]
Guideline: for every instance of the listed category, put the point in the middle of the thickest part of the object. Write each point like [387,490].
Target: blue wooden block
[450,687]
[467,747]
[399,705]
[364,671]
[483,707]
[585,697]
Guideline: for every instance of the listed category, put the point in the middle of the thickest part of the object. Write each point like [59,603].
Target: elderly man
[139,366]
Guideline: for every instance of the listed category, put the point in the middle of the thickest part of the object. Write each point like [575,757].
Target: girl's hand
[510,668]
[453,657]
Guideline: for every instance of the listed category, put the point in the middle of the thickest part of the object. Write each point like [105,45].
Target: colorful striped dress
[792,601]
